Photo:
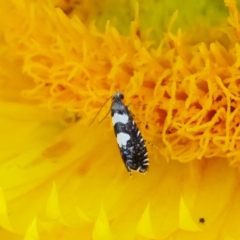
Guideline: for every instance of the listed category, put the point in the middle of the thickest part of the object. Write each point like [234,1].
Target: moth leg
[151,144]
[140,121]
[135,118]
[133,104]
[128,168]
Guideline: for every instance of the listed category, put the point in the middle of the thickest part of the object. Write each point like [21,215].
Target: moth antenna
[100,111]
[105,116]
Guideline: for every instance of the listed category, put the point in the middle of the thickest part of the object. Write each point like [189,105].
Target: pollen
[188,90]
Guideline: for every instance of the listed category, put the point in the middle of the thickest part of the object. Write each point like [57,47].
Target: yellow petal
[144,226]
[186,221]
[101,228]
[53,209]
[228,238]
[71,67]
[32,231]
[4,219]
[82,215]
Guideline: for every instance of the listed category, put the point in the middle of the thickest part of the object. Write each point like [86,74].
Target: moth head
[118,96]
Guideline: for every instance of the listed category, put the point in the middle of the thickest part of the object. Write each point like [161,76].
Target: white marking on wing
[122,139]
[122,118]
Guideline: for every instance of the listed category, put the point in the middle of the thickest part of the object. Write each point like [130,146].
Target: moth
[129,139]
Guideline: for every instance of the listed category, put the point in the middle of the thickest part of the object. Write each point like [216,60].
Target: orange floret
[191,90]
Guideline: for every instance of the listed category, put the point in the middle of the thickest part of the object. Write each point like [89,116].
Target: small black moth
[130,141]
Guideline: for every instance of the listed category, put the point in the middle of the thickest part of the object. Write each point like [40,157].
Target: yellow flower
[63,179]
